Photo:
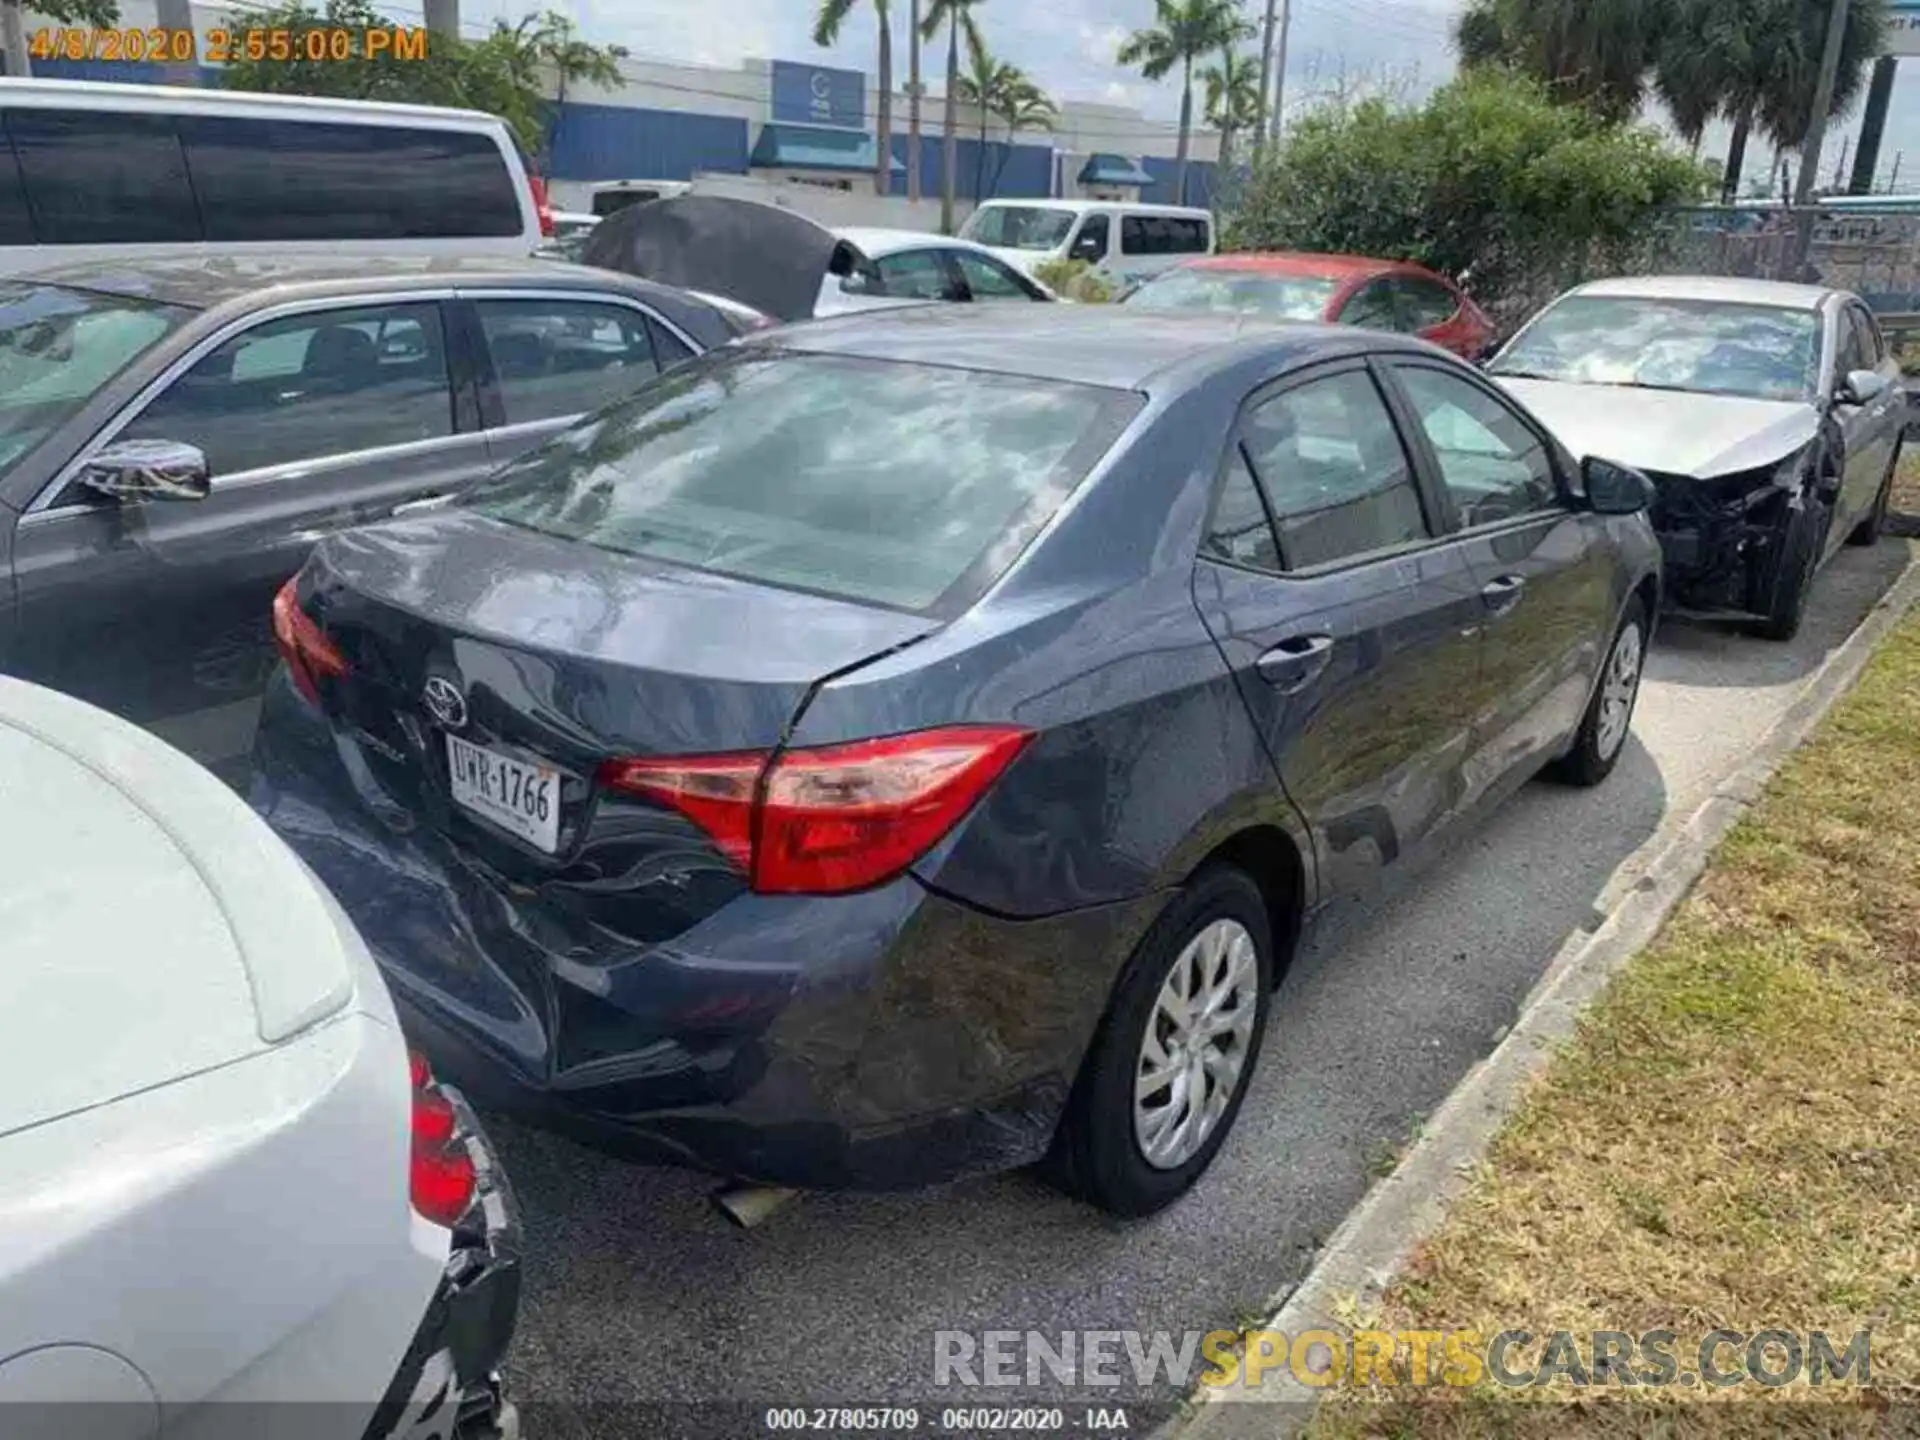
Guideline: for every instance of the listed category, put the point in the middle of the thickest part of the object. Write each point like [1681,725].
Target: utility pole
[1893,180]
[13,37]
[1266,78]
[1280,72]
[1873,124]
[443,18]
[1840,165]
[1822,102]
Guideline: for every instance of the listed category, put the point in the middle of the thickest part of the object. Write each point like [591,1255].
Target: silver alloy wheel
[1617,689]
[1196,1044]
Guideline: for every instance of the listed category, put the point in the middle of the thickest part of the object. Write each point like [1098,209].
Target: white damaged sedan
[1769,417]
[230,1202]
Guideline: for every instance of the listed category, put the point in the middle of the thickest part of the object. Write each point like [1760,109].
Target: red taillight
[441,1180]
[835,818]
[542,207]
[310,656]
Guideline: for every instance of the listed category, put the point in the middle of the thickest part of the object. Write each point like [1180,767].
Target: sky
[1069,45]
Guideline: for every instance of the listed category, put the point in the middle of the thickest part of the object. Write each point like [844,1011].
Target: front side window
[306,387]
[1334,470]
[58,347]
[1714,347]
[1236,292]
[1096,234]
[916,275]
[1492,464]
[897,484]
[988,279]
[564,357]
[1018,227]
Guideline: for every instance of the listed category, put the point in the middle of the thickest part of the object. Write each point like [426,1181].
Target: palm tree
[1232,88]
[1009,95]
[955,15]
[982,86]
[1183,31]
[1757,63]
[549,44]
[1593,52]
[826,29]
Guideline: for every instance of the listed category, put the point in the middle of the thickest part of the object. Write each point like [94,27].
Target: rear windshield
[1018,227]
[58,347]
[911,486]
[1237,292]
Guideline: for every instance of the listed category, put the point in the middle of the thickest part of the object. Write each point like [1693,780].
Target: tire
[1868,530]
[1602,736]
[1100,1154]
[1793,576]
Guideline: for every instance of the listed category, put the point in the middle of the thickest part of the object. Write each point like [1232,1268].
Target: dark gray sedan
[893,746]
[175,435]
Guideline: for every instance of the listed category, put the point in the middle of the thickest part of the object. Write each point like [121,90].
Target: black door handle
[1295,662]
[1503,592]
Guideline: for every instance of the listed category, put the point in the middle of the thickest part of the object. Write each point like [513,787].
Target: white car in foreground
[224,1186]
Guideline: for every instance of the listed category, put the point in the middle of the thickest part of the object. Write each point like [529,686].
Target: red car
[1345,289]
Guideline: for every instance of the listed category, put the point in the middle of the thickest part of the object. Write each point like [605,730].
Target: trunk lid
[559,655]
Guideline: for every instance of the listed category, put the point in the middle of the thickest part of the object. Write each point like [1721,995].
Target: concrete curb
[1380,1234]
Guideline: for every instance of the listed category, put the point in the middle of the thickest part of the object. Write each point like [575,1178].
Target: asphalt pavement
[638,1291]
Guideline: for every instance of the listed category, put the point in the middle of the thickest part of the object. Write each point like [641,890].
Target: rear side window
[1371,306]
[910,486]
[302,180]
[99,178]
[564,357]
[1240,532]
[1334,470]
[1423,303]
[1162,235]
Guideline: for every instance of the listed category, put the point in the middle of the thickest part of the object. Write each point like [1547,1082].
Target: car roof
[1307,263]
[1079,344]
[79,94]
[203,281]
[1730,289]
[874,241]
[1130,207]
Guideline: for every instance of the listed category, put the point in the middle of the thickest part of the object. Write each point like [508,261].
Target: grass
[1906,484]
[1732,1139]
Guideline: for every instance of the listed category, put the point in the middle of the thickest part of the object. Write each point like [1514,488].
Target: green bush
[1489,180]
[1075,280]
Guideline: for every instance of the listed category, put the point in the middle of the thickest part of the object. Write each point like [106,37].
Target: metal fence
[1877,256]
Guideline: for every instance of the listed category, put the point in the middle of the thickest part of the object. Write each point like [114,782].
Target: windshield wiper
[1524,375]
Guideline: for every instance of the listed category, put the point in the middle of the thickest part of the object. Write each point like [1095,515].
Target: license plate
[521,798]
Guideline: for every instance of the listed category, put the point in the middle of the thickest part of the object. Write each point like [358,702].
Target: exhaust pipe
[749,1205]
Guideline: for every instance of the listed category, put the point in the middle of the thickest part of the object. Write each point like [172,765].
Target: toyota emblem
[445,702]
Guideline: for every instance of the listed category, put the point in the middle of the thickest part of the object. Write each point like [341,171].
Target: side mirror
[1089,248]
[1861,387]
[1616,489]
[148,470]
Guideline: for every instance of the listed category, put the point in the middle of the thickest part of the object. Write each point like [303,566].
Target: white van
[1128,241]
[91,171]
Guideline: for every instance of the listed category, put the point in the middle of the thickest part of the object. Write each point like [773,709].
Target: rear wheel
[1163,1082]
[1603,729]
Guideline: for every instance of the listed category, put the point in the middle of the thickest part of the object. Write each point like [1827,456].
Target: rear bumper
[448,1384]
[881,1040]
